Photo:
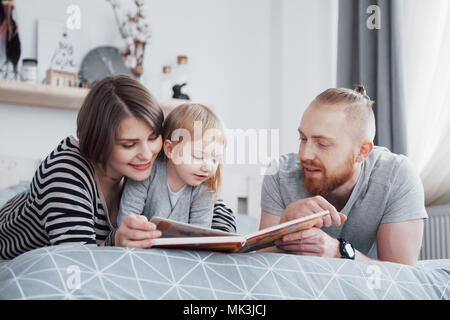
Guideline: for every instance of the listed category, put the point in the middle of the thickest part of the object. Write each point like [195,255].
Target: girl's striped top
[223,218]
[64,205]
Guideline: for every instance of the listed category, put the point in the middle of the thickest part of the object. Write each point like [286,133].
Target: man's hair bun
[361,90]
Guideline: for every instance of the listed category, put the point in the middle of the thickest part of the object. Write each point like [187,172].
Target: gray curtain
[373,58]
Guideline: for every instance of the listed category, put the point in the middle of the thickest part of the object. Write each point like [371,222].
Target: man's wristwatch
[346,249]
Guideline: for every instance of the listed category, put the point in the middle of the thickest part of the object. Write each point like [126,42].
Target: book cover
[185,236]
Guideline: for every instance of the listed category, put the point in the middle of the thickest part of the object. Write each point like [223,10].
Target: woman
[75,193]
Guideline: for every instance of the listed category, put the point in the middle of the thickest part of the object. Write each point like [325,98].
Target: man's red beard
[328,182]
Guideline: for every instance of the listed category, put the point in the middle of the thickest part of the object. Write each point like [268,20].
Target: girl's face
[135,150]
[194,161]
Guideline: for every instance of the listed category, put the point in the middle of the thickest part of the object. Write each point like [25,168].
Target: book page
[223,244]
[266,237]
[174,229]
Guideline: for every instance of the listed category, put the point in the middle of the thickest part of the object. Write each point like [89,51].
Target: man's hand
[310,242]
[306,207]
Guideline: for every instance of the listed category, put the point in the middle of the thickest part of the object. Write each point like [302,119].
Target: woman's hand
[136,232]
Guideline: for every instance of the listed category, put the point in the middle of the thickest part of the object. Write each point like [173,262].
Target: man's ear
[168,148]
[364,151]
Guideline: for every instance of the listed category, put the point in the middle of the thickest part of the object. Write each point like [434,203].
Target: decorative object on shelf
[9,41]
[101,62]
[29,70]
[59,78]
[177,94]
[83,83]
[58,48]
[136,32]
[59,74]
[63,59]
[166,80]
[181,76]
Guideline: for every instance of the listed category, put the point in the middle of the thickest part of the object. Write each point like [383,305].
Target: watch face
[349,250]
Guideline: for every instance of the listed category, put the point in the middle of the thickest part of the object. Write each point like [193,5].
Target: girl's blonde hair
[184,117]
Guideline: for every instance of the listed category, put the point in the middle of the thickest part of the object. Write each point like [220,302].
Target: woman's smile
[141,167]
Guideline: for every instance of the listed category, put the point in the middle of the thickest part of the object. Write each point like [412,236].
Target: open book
[185,236]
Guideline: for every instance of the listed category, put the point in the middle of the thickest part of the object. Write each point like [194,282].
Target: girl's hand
[136,232]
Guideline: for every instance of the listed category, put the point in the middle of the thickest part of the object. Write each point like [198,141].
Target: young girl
[186,176]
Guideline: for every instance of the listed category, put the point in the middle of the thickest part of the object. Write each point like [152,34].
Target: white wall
[259,62]
[227,43]
[32,133]
[308,58]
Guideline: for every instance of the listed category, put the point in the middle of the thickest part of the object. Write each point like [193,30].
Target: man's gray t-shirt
[388,190]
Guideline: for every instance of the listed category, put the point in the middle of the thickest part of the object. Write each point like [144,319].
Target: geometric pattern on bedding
[91,272]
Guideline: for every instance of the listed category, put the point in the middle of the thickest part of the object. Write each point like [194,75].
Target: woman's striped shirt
[63,206]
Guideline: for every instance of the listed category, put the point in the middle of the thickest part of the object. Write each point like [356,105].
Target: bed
[91,272]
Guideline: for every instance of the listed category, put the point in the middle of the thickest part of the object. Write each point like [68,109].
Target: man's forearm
[358,255]
[271,249]
[361,257]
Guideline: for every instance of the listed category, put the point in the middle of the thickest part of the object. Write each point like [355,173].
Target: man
[373,195]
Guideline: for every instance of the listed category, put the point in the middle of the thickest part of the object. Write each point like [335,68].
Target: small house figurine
[60,78]
[60,73]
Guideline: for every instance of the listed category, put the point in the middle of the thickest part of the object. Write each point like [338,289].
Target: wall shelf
[41,95]
[46,96]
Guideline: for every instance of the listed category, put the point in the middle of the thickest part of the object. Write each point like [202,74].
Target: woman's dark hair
[111,100]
